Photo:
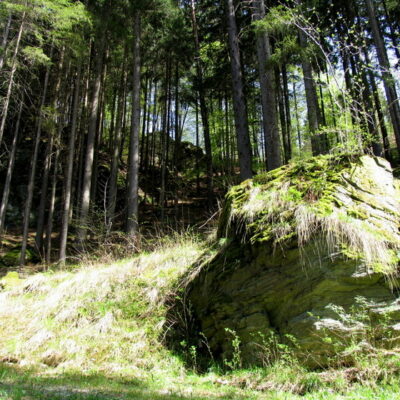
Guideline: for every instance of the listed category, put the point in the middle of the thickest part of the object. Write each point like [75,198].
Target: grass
[96,332]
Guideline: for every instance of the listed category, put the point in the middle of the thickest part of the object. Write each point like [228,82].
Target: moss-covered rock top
[351,201]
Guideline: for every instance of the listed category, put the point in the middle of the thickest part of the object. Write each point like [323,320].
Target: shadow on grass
[17,383]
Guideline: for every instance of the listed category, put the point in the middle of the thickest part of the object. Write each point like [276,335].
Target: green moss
[325,194]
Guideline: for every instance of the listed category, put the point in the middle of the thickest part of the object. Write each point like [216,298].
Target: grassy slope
[95,333]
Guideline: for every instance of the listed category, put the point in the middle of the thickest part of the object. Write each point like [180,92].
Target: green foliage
[35,55]
[279,21]
[236,361]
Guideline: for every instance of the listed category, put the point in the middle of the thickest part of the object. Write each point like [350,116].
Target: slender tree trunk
[164,134]
[132,225]
[112,192]
[239,103]
[146,106]
[393,34]
[318,141]
[4,41]
[70,169]
[112,125]
[49,228]
[388,80]
[10,170]
[203,106]
[296,112]
[282,117]
[91,139]
[147,155]
[99,131]
[268,92]
[48,159]
[14,64]
[61,124]
[31,183]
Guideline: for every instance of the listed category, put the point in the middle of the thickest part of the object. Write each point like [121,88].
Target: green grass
[96,332]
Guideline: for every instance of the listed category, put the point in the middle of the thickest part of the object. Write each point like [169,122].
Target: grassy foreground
[96,332]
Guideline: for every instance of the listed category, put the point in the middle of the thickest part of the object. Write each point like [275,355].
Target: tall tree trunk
[146,111]
[10,170]
[239,103]
[203,106]
[319,143]
[70,169]
[48,159]
[32,174]
[14,64]
[393,34]
[164,135]
[132,225]
[388,80]
[268,92]
[287,111]
[112,125]
[91,139]
[112,192]
[282,117]
[296,113]
[4,41]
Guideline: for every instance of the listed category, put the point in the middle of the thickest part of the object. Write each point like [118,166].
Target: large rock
[311,253]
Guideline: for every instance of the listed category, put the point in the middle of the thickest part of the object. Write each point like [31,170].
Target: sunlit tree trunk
[70,169]
[112,192]
[91,139]
[132,225]
[239,103]
[388,80]
[203,105]
[10,170]
[268,92]
[10,85]
[48,160]
[32,174]
[4,41]
[319,143]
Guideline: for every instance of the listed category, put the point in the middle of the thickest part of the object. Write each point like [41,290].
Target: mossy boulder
[310,256]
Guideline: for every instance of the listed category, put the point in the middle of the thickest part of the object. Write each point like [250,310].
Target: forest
[153,152]
[116,111]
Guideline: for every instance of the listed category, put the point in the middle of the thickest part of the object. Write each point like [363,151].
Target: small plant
[236,361]
[272,350]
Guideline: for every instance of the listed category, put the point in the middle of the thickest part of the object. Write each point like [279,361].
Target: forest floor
[96,332]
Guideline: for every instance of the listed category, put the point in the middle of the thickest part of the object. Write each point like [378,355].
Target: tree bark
[132,225]
[239,103]
[91,139]
[268,92]
[31,183]
[388,81]
[70,169]
[11,77]
[48,159]
[112,192]
[10,170]
[203,105]
[319,143]
[4,41]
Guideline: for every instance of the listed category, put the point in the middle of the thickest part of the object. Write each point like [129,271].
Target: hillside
[96,332]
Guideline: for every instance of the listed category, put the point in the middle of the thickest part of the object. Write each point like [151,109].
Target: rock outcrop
[310,255]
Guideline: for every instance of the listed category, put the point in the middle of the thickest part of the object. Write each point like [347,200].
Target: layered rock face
[310,252]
